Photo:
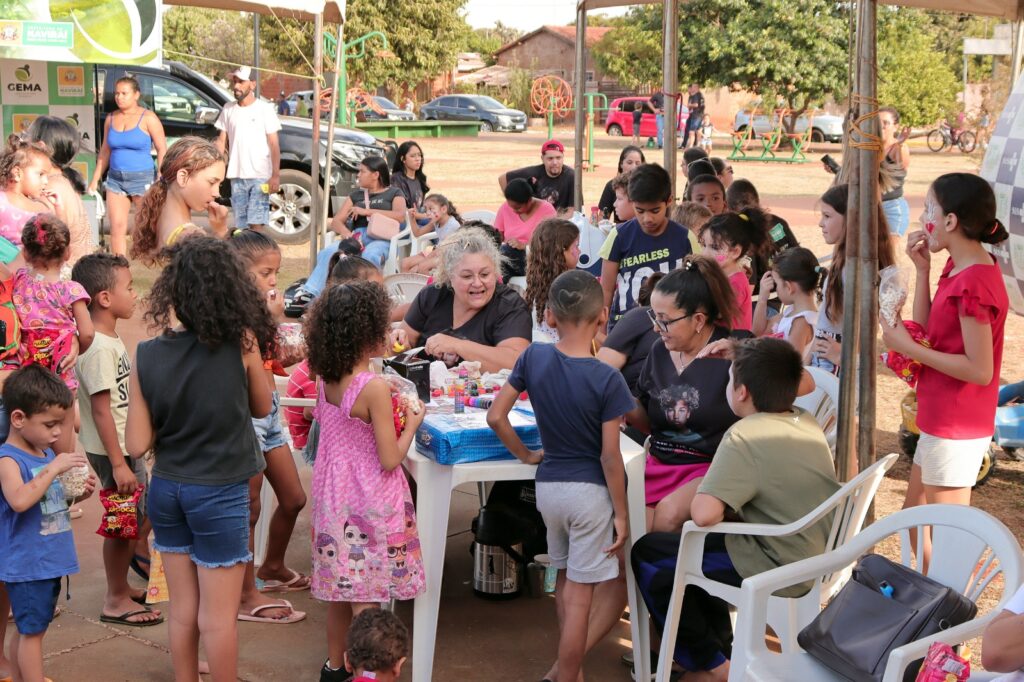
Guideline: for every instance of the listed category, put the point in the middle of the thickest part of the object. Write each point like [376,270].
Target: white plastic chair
[401,245]
[823,403]
[848,505]
[403,287]
[969,549]
[483,216]
[267,498]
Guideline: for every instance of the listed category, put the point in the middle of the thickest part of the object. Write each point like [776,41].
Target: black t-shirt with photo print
[556,191]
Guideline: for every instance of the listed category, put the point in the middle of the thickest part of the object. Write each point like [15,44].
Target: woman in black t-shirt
[630,157]
[682,398]
[374,196]
[627,345]
[468,314]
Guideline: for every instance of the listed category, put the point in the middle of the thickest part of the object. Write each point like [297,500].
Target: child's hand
[896,337]
[218,216]
[275,304]
[534,457]
[917,250]
[767,283]
[90,488]
[125,479]
[830,349]
[50,197]
[414,415]
[720,350]
[68,361]
[621,525]
[69,460]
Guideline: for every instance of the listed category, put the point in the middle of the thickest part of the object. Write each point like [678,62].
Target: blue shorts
[269,432]
[129,183]
[32,603]
[210,523]
[249,202]
[897,214]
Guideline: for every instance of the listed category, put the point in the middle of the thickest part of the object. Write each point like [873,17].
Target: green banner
[91,31]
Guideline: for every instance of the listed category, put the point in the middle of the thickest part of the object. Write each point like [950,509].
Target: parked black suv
[188,103]
[492,114]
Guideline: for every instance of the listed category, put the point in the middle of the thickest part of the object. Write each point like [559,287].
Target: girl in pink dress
[52,311]
[365,544]
[24,186]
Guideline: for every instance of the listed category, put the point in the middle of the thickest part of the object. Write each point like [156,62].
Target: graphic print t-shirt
[556,191]
[639,256]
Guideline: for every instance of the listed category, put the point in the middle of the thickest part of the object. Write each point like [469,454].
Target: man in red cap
[551,180]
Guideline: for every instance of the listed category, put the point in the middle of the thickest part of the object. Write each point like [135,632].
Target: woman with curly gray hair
[468,314]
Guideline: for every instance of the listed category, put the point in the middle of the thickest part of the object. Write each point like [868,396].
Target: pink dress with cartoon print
[47,322]
[365,544]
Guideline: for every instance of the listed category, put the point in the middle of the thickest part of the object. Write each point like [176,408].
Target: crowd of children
[695,336]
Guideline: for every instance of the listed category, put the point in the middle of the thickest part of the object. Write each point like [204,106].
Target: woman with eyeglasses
[682,398]
[893,172]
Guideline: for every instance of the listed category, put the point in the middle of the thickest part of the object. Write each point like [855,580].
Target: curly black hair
[45,239]
[207,286]
[377,640]
[346,322]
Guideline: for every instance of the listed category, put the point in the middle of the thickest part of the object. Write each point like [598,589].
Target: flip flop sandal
[140,600]
[123,619]
[136,564]
[254,617]
[297,583]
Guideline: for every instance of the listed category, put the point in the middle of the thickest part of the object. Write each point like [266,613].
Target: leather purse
[884,606]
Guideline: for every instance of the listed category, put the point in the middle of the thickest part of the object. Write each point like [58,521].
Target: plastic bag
[73,481]
[291,344]
[942,664]
[904,367]
[403,397]
[892,293]
[120,518]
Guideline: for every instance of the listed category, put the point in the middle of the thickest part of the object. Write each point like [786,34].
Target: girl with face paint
[959,381]
[732,239]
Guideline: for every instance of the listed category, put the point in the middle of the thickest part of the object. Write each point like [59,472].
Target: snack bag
[904,367]
[120,514]
[46,347]
[156,590]
[73,481]
[403,396]
[892,293]
[942,664]
[291,344]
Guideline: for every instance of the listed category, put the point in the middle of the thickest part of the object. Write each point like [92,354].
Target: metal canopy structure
[856,448]
[305,10]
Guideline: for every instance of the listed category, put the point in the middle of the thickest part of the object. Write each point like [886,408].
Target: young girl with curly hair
[189,180]
[24,186]
[209,357]
[53,312]
[554,249]
[262,257]
[363,518]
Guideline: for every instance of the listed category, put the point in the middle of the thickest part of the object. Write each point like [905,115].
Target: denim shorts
[210,523]
[269,431]
[897,214]
[249,202]
[32,603]
[130,183]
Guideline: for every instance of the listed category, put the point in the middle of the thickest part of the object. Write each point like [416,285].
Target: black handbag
[884,606]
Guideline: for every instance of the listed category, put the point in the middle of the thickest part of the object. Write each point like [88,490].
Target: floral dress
[47,322]
[365,544]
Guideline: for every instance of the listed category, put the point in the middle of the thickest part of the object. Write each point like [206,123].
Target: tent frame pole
[315,227]
[340,97]
[579,85]
[670,85]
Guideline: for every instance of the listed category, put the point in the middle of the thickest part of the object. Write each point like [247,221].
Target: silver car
[825,128]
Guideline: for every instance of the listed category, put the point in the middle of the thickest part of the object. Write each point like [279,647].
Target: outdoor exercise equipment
[772,140]
[359,101]
[551,97]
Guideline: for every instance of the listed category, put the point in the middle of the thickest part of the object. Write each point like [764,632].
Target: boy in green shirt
[773,466]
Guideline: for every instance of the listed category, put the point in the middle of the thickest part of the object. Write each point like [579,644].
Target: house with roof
[552,50]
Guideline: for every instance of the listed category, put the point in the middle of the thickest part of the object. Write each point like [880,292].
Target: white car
[825,128]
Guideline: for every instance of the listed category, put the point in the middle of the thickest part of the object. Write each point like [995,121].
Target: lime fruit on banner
[126,31]
[23,74]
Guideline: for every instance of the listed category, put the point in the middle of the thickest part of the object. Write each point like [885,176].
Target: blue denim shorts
[897,214]
[210,523]
[249,202]
[269,431]
[32,603]
[130,183]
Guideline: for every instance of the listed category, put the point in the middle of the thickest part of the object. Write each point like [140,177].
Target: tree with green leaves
[914,75]
[788,52]
[198,31]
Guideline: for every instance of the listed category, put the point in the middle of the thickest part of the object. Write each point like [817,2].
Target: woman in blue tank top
[128,136]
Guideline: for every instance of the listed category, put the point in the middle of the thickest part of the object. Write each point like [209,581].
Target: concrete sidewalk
[477,640]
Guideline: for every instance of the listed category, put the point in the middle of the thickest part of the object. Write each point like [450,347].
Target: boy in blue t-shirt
[648,243]
[581,489]
[35,524]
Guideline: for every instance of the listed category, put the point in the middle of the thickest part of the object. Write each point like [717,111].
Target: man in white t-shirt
[248,134]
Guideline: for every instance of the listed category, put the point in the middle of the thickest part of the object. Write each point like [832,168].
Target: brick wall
[272,85]
[546,54]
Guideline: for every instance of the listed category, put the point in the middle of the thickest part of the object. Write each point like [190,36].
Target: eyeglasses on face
[663,325]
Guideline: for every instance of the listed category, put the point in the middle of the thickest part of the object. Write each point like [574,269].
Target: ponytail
[747,229]
[700,285]
[147,215]
[995,234]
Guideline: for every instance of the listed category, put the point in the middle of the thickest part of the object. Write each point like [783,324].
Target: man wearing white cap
[248,134]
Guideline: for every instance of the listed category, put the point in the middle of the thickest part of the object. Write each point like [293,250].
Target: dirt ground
[478,640]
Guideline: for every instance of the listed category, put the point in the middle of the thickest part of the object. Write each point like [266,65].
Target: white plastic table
[435,483]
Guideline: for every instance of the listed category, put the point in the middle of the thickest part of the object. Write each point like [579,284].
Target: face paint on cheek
[929,227]
[720,257]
